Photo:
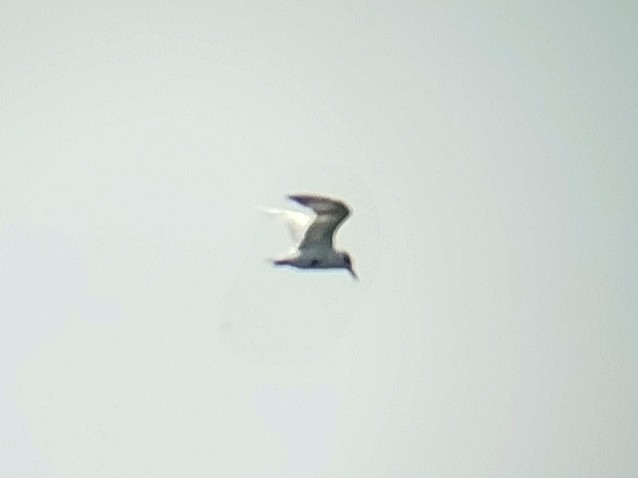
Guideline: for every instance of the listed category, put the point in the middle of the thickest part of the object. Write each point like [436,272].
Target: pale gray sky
[489,151]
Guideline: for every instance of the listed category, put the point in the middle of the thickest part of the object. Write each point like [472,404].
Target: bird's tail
[281,262]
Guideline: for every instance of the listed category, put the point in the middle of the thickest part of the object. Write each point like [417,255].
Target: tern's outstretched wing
[296,221]
[330,213]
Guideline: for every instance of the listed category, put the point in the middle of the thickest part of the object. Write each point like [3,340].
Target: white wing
[296,221]
[330,213]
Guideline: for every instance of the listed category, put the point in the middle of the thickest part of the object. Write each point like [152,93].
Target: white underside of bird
[313,234]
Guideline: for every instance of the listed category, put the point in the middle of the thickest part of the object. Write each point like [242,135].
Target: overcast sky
[489,151]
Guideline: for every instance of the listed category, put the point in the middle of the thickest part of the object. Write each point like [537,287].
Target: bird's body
[313,235]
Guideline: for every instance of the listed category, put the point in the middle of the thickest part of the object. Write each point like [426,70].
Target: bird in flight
[314,234]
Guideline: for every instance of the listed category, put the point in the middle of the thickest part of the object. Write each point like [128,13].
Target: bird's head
[347,264]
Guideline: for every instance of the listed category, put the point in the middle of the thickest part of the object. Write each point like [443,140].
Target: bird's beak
[353,274]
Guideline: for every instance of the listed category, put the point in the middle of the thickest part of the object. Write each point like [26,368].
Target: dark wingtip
[309,197]
[300,198]
[320,203]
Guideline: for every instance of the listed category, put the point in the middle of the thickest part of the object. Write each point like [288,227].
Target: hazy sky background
[489,151]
